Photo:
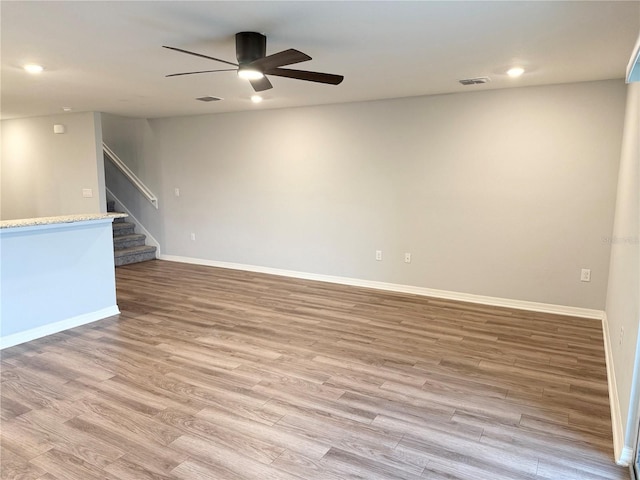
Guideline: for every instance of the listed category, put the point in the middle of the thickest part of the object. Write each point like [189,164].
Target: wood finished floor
[220,374]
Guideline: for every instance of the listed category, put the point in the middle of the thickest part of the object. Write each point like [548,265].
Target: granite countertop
[82,217]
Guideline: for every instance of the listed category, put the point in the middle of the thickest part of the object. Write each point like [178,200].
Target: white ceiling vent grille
[475,81]
[209,98]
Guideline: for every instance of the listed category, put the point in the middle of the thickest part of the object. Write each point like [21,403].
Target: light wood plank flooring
[220,374]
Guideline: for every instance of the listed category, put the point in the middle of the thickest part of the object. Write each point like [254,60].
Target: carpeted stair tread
[134,254]
[123,228]
[130,240]
[134,250]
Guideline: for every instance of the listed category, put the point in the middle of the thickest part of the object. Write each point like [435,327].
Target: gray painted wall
[43,173]
[623,296]
[134,142]
[505,193]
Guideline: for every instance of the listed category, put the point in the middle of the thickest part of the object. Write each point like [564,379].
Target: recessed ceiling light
[250,74]
[515,72]
[33,68]
[66,109]
[256,98]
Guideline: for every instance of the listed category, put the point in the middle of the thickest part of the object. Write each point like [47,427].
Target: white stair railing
[132,177]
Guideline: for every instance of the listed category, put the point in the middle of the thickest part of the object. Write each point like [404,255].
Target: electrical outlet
[193,236]
[407,258]
[176,192]
[379,255]
[585,275]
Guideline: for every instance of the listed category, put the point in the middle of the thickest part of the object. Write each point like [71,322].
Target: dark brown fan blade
[261,84]
[203,71]
[308,76]
[200,55]
[286,57]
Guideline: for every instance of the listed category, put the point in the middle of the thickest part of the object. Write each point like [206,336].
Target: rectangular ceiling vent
[475,81]
[209,98]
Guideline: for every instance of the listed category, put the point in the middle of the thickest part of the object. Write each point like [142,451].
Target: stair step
[119,219]
[123,228]
[125,241]
[137,254]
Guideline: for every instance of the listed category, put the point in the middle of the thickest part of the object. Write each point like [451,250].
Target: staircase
[128,246]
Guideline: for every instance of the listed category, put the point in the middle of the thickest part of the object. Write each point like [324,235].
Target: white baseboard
[393,287]
[626,457]
[623,454]
[121,207]
[43,331]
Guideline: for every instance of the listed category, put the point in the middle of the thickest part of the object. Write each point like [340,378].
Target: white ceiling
[108,56]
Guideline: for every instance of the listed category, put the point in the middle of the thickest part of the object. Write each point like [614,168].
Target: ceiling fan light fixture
[250,74]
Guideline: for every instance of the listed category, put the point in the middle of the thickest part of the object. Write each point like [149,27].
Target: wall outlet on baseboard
[585,275]
[379,255]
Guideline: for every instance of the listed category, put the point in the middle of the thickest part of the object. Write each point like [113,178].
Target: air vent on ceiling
[209,98]
[475,81]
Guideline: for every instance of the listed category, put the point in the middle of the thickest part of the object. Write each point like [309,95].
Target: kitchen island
[55,273]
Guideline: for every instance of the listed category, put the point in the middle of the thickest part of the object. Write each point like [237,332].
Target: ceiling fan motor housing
[250,46]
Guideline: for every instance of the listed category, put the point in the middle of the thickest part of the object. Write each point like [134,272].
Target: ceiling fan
[253,63]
